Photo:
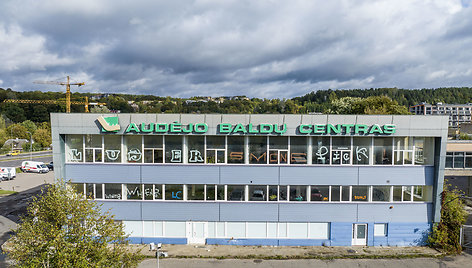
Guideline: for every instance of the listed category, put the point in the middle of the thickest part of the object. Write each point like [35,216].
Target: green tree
[18,131]
[42,137]
[29,125]
[446,234]
[63,229]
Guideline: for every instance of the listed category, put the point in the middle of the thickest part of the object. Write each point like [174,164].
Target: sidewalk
[270,252]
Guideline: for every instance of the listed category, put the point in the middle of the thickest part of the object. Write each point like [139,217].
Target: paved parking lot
[26,181]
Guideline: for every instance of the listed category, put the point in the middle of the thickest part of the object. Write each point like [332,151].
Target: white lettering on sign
[322,151]
[75,155]
[134,155]
[361,152]
[195,157]
[113,154]
[176,156]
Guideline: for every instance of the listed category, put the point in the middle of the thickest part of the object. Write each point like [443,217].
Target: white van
[33,166]
[7,173]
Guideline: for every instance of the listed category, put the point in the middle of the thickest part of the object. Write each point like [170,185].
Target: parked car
[258,195]
[50,166]
[7,173]
[33,166]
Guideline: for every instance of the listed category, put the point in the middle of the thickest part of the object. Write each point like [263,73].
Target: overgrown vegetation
[63,229]
[446,234]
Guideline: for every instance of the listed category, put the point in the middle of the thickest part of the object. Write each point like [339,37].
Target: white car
[7,173]
[33,166]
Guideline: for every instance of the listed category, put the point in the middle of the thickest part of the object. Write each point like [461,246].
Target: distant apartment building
[458,113]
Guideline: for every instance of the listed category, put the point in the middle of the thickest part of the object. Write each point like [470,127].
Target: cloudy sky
[269,49]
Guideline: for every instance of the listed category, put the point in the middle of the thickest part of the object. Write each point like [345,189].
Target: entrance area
[197,232]
[359,234]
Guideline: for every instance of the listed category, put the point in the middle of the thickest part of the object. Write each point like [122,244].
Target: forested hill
[376,101]
[406,97]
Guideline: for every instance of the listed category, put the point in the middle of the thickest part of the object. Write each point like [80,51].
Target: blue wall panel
[234,174]
[163,240]
[401,212]
[396,175]
[242,242]
[341,233]
[103,173]
[180,211]
[318,175]
[123,210]
[248,212]
[184,174]
[408,234]
[316,212]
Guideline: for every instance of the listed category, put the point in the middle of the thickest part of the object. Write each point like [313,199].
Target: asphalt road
[15,161]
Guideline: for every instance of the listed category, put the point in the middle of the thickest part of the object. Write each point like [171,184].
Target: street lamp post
[31,145]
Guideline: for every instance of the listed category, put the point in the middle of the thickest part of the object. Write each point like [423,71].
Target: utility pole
[31,145]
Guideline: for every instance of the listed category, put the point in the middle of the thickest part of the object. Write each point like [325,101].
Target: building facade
[458,113]
[334,180]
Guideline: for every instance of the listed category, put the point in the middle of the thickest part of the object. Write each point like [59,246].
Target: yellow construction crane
[86,103]
[67,84]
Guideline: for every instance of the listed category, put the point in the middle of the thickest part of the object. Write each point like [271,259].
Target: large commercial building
[458,113]
[335,180]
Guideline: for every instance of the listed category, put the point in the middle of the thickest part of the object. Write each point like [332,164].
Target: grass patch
[5,192]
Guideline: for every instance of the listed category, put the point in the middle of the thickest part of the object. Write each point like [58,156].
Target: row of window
[459,160]
[268,193]
[250,150]
[312,230]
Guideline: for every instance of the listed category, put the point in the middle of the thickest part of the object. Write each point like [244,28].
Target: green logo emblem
[109,124]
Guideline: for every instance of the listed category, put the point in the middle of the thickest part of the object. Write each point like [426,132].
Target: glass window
[235,150]
[78,187]
[298,150]
[148,192]
[196,149]
[381,193]
[449,159]
[112,191]
[283,193]
[273,193]
[195,192]
[89,190]
[158,191]
[298,192]
[99,191]
[341,151]
[93,148]
[458,159]
[75,148]
[319,193]
[360,193]
[403,153]
[258,150]
[210,192]
[220,192]
[133,191]
[256,229]
[257,193]
[153,152]
[134,149]
[362,147]
[383,151]
[321,150]
[424,151]
[423,193]
[173,149]
[174,192]
[345,193]
[406,193]
[397,193]
[215,149]
[278,150]
[468,160]
[380,229]
[112,149]
[335,193]
[236,192]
